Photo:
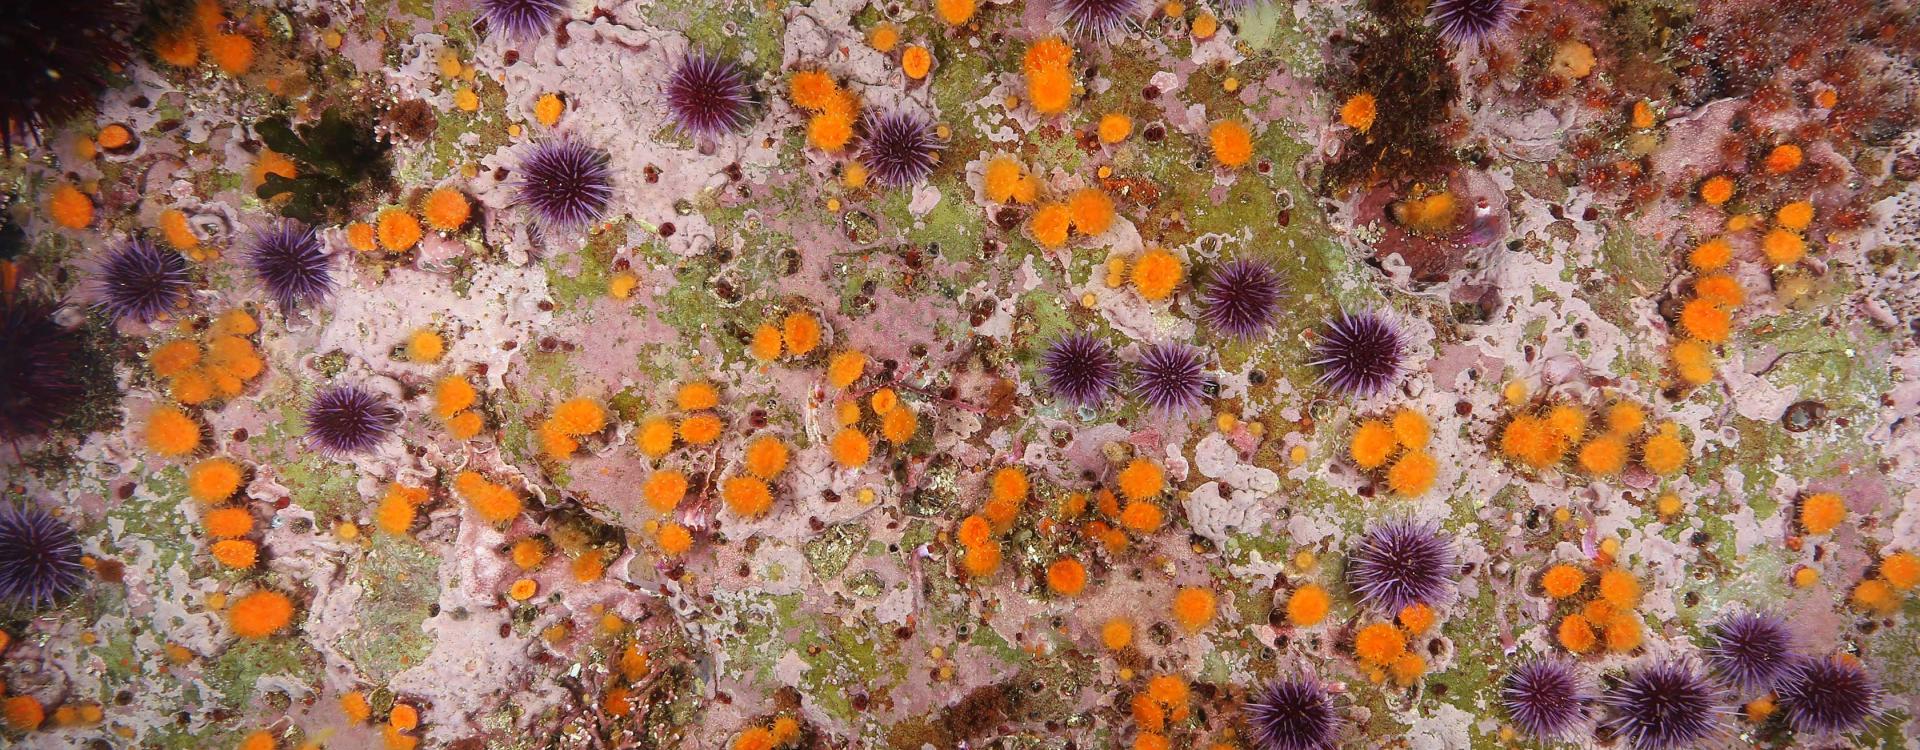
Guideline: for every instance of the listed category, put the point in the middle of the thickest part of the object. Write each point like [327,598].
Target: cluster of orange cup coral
[833,110]
[1384,649]
[25,713]
[797,335]
[1163,702]
[1543,436]
[1395,449]
[214,482]
[494,502]
[560,432]
[399,729]
[454,398]
[1597,605]
[214,365]
[207,37]
[701,424]
[980,533]
[397,229]
[1895,576]
[782,731]
[1048,65]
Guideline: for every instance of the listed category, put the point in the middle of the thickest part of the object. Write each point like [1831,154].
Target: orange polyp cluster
[1543,437]
[218,365]
[570,420]
[1156,274]
[833,109]
[260,614]
[1165,698]
[213,482]
[398,508]
[979,534]
[784,731]
[495,503]
[1598,617]
[1006,181]
[1395,450]
[1880,594]
[453,400]
[1048,65]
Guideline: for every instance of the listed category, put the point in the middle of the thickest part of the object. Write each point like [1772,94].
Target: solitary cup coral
[260,614]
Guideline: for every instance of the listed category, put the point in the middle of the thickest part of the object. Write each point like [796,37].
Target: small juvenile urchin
[292,264]
[1472,21]
[1359,353]
[59,56]
[899,148]
[708,96]
[1545,697]
[140,281]
[39,557]
[1663,706]
[1750,649]
[349,419]
[37,365]
[1241,298]
[1828,695]
[1401,562]
[565,183]
[1098,18]
[1080,369]
[522,18]
[1292,713]
[1170,377]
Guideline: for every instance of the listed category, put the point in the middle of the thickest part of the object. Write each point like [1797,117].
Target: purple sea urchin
[292,264]
[1661,706]
[1293,713]
[349,419]
[1544,697]
[1472,21]
[708,96]
[1241,298]
[1080,369]
[1098,18]
[899,148]
[39,557]
[58,55]
[565,183]
[1170,377]
[522,18]
[1751,650]
[37,382]
[141,281]
[1359,353]
[1401,562]
[1828,695]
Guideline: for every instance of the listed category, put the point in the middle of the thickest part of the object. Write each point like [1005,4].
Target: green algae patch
[399,586]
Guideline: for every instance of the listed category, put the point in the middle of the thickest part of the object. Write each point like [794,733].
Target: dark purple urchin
[1472,21]
[59,56]
[1241,298]
[1401,562]
[141,281]
[708,96]
[1661,706]
[1828,695]
[565,183]
[899,148]
[1293,713]
[292,264]
[349,419]
[39,557]
[1359,353]
[1545,697]
[38,357]
[1080,369]
[1098,18]
[1170,377]
[522,18]
[1751,650]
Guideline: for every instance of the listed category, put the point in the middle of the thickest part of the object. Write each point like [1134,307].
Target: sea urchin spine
[565,183]
[1294,713]
[1544,697]
[1751,650]
[1241,298]
[522,18]
[899,148]
[1472,21]
[292,264]
[349,419]
[708,96]
[141,281]
[39,557]
[1360,353]
[1662,706]
[37,383]
[1098,18]
[1401,562]
[1080,369]
[1170,377]
[1828,695]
